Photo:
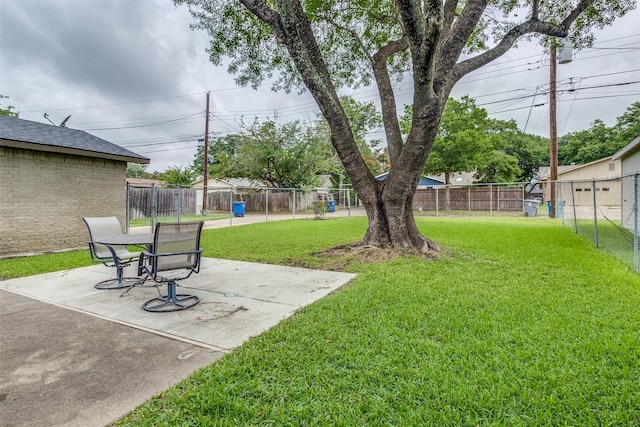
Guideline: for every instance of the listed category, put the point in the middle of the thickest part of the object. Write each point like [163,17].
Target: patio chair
[117,256]
[176,256]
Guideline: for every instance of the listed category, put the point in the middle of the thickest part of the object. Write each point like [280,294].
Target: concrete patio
[76,356]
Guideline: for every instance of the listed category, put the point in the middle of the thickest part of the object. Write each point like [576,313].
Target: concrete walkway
[75,356]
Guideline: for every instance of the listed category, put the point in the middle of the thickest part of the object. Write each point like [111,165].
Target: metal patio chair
[176,256]
[117,256]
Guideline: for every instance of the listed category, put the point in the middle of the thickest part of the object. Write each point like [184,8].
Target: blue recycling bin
[238,208]
[331,206]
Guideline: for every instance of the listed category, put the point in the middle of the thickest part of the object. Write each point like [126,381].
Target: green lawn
[519,323]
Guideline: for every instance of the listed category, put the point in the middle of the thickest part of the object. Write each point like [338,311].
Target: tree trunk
[392,225]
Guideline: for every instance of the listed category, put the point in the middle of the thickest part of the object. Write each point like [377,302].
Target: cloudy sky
[132,72]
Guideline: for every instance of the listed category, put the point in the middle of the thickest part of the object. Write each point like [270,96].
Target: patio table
[142,240]
[137,239]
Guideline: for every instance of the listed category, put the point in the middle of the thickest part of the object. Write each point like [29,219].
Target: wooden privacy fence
[472,198]
[258,201]
[150,202]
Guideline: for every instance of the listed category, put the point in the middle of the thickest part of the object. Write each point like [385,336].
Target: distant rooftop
[19,133]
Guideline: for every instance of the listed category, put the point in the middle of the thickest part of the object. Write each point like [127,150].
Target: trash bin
[559,208]
[531,207]
[238,208]
[331,206]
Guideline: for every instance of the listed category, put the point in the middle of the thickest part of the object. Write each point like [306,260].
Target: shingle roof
[43,137]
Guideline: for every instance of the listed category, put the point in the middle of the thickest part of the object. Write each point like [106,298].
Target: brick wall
[43,197]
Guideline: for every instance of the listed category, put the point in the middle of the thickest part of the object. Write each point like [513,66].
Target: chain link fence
[151,204]
[148,205]
[604,211]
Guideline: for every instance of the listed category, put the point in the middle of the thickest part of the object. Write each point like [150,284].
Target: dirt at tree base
[370,254]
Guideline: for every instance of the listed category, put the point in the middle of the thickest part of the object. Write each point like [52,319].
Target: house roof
[144,182]
[628,149]
[19,133]
[425,181]
[212,182]
[545,171]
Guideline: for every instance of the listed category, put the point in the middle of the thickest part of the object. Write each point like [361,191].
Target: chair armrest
[141,263]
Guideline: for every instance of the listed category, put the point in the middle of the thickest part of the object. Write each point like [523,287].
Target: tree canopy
[322,45]
[291,155]
[599,140]
[468,140]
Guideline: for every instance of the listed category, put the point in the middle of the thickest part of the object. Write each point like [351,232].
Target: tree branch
[530,26]
[450,7]
[387,96]
[457,38]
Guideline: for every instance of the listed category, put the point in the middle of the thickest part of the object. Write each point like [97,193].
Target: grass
[519,323]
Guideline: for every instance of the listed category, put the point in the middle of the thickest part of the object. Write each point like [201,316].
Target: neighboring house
[425,181]
[144,182]
[606,168]
[213,184]
[51,177]
[458,178]
[629,157]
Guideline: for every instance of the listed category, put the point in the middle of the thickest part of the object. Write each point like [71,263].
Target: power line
[148,124]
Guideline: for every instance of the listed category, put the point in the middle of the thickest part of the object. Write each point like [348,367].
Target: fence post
[437,200]
[154,205]
[635,222]
[294,204]
[498,201]
[266,206]
[595,215]
[127,214]
[469,198]
[573,201]
[348,192]
[491,199]
[176,202]
[230,207]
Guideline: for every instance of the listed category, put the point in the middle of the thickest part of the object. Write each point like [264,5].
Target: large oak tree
[323,45]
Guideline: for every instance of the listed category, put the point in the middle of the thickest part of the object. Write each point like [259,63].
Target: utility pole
[206,159]
[565,58]
[553,132]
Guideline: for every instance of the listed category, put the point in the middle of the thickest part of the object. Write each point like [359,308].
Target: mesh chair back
[177,246]
[101,227]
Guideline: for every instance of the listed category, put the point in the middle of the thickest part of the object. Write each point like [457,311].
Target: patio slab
[74,355]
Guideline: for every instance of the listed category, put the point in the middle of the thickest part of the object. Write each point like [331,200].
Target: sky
[134,73]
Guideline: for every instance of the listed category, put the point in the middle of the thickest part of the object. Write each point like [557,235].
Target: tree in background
[135,170]
[628,125]
[289,155]
[462,139]
[177,176]
[322,45]
[599,140]
[232,155]
[8,110]
[512,155]
[469,141]
[222,151]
